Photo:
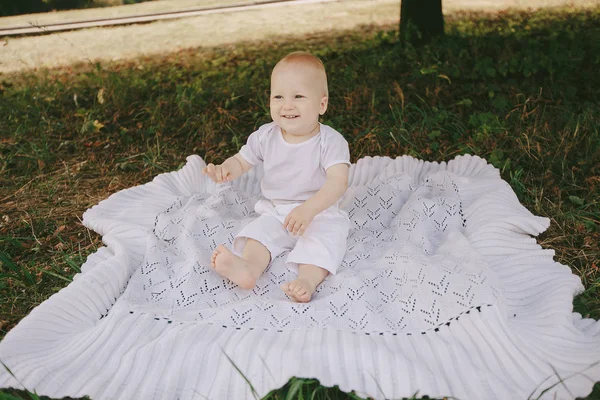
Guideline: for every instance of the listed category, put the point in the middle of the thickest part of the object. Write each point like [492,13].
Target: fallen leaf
[444,77]
[98,125]
[100,96]
[59,230]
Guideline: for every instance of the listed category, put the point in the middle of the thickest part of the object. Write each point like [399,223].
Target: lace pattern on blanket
[408,266]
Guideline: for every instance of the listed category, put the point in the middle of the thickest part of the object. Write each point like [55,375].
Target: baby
[306,168]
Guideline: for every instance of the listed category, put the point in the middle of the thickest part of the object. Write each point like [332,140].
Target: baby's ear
[324,103]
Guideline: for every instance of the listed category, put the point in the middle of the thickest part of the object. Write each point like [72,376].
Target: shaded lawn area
[518,89]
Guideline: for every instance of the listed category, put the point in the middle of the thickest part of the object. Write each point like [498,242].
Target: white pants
[323,243]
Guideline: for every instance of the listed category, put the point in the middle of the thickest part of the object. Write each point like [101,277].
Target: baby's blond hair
[306,59]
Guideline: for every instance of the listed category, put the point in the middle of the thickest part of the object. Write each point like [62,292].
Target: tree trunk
[421,20]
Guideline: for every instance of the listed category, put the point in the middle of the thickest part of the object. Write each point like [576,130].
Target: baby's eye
[299,96]
[278,96]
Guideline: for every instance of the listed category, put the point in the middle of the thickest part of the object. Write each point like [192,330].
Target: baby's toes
[299,290]
[303,297]
[293,287]
[213,258]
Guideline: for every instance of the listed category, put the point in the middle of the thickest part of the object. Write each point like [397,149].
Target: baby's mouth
[290,116]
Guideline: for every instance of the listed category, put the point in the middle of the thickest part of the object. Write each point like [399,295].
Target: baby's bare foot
[232,267]
[299,290]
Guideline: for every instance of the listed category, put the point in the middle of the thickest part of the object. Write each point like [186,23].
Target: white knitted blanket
[442,292]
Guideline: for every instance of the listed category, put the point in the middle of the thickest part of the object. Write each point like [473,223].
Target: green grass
[519,89]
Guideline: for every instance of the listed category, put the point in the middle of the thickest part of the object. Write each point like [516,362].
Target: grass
[518,89]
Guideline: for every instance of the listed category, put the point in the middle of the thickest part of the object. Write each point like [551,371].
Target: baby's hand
[218,173]
[298,220]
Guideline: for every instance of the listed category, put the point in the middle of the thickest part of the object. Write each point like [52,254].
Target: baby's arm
[231,169]
[335,186]
[298,220]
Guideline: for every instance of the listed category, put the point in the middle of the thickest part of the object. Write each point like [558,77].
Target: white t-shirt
[294,172]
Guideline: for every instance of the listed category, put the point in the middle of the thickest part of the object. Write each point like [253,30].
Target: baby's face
[297,98]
